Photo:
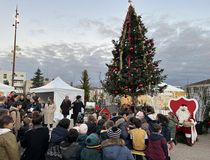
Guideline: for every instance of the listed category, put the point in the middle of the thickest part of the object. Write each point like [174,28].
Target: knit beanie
[83,128]
[114,132]
[92,140]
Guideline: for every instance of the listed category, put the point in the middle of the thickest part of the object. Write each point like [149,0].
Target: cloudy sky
[64,37]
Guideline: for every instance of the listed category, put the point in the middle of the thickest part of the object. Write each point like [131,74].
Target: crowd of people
[28,132]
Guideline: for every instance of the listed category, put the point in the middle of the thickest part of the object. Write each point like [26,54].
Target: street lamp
[14,50]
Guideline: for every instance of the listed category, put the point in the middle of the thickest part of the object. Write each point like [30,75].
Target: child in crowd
[157,148]
[70,149]
[173,121]
[114,148]
[92,151]
[83,128]
[139,139]
[92,124]
[26,126]
[108,125]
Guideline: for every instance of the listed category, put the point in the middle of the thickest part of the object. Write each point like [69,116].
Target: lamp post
[14,50]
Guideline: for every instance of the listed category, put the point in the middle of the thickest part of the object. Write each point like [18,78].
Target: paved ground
[199,151]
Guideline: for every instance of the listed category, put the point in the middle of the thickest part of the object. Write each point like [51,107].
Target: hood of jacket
[113,141]
[4,131]
[119,121]
[58,135]
[156,136]
[113,148]
[12,108]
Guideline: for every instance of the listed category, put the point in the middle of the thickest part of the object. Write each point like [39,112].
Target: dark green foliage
[133,70]
[85,84]
[38,79]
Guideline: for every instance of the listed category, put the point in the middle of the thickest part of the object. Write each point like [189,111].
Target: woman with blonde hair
[49,111]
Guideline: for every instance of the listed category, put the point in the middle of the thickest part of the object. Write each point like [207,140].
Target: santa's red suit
[185,110]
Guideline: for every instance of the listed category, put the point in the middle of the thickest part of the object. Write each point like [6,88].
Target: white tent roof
[60,90]
[5,88]
[171,88]
[56,84]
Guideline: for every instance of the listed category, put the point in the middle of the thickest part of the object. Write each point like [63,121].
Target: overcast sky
[64,37]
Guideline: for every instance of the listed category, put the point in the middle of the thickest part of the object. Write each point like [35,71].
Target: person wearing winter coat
[4,112]
[122,124]
[157,148]
[9,149]
[23,129]
[65,106]
[139,139]
[2,102]
[26,103]
[77,107]
[49,111]
[173,121]
[35,104]
[35,140]
[83,128]
[15,114]
[108,124]
[70,149]
[92,124]
[114,148]
[92,151]
[60,132]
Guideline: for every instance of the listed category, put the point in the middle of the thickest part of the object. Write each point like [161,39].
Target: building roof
[204,82]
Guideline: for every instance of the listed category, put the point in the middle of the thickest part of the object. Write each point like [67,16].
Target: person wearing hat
[83,128]
[114,148]
[92,151]
[77,108]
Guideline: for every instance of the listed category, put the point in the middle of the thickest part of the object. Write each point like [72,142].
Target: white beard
[183,115]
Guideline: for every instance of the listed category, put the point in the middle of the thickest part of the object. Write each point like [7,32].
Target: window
[21,75]
[5,76]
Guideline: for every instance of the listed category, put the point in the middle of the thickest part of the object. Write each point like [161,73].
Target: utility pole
[14,50]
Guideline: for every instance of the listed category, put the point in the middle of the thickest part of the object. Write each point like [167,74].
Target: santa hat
[83,128]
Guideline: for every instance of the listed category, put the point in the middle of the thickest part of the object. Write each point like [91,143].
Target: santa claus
[183,114]
[185,110]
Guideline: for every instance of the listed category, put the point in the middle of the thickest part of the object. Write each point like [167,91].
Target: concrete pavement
[199,151]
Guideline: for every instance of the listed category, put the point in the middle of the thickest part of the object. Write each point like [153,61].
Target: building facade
[19,80]
[201,92]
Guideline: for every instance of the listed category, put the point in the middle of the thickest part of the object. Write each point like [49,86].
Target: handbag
[53,153]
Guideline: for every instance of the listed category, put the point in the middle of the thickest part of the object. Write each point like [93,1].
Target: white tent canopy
[60,90]
[5,89]
[171,88]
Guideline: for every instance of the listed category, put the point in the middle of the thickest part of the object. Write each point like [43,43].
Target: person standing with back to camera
[77,107]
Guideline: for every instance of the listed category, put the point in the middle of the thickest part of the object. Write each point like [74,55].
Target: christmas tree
[133,70]
[38,79]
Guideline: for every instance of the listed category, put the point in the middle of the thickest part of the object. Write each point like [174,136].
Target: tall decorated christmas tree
[133,70]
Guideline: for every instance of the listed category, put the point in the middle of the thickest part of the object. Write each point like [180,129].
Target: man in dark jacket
[35,140]
[26,103]
[77,107]
[65,106]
